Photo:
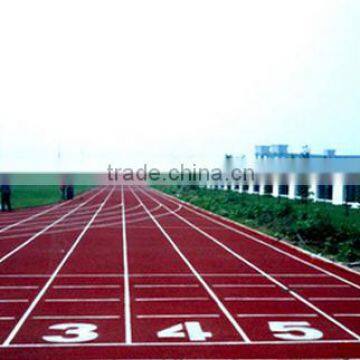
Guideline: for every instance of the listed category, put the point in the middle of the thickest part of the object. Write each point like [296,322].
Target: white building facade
[322,177]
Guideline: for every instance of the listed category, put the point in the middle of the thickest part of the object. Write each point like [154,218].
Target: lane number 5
[294,330]
[74,333]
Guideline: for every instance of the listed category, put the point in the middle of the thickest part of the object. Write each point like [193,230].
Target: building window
[237,187]
[256,188]
[216,187]
[352,193]
[325,192]
[245,188]
[268,189]
[283,189]
[228,187]
[302,191]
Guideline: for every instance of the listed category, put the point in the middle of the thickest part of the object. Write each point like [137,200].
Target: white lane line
[267,244]
[237,298]
[183,344]
[86,286]
[31,217]
[334,298]
[7,318]
[347,315]
[38,297]
[4,301]
[154,286]
[260,271]
[85,300]
[87,275]
[330,286]
[18,287]
[68,317]
[42,231]
[209,290]
[127,303]
[276,315]
[178,316]
[172,299]
[244,285]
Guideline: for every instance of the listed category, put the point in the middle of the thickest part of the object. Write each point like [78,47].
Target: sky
[85,84]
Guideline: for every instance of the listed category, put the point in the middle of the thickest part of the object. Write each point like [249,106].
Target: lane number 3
[294,330]
[73,333]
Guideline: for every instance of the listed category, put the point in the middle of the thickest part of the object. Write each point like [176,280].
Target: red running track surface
[128,272]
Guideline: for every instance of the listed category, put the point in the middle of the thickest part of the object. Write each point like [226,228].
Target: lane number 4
[190,329]
[73,333]
[294,330]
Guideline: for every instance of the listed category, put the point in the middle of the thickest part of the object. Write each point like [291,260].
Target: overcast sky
[88,83]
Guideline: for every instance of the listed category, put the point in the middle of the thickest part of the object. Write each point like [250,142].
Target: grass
[325,229]
[23,196]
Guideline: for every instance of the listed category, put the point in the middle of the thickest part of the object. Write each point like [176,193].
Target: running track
[127,272]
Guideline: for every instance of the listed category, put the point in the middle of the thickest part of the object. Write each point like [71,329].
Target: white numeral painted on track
[192,329]
[294,330]
[76,332]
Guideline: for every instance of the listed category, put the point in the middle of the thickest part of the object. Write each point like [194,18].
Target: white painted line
[7,318]
[18,287]
[127,301]
[276,315]
[38,297]
[66,317]
[259,299]
[42,231]
[85,300]
[154,286]
[209,290]
[271,246]
[243,285]
[269,277]
[185,344]
[179,316]
[86,286]
[4,301]
[31,217]
[334,298]
[347,315]
[172,299]
[330,286]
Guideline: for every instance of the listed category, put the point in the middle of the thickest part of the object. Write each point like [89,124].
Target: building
[277,172]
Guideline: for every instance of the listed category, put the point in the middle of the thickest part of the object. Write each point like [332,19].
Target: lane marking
[31,217]
[86,286]
[66,317]
[269,277]
[127,304]
[276,315]
[212,294]
[176,344]
[38,297]
[244,285]
[154,286]
[318,286]
[347,315]
[235,298]
[269,245]
[86,275]
[18,287]
[178,316]
[7,318]
[4,301]
[42,231]
[334,298]
[84,300]
[173,299]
